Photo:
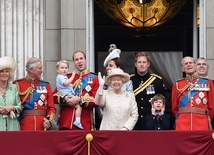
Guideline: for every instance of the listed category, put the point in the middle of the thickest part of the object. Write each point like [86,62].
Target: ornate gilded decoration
[141,13]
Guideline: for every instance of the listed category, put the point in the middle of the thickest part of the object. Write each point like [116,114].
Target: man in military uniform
[37,98]
[145,86]
[192,99]
[202,67]
[85,87]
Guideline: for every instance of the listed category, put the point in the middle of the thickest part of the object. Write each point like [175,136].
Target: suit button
[142,99]
[141,116]
[141,107]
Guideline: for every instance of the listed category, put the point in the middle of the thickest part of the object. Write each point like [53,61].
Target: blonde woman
[10,104]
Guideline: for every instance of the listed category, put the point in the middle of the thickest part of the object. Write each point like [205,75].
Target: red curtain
[107,142]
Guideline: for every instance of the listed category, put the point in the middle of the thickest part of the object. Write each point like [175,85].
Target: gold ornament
[89,138]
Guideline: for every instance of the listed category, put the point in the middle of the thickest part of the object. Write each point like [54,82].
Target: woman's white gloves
[12,114]
[101,79]
[101,83]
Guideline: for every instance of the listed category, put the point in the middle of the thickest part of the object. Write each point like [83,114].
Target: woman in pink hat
[10,103]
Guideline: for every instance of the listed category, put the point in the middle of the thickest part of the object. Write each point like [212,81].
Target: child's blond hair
[62,61]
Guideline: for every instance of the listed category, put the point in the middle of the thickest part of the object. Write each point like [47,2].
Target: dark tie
[157,117]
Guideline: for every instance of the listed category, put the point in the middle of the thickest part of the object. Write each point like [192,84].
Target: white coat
[120,110]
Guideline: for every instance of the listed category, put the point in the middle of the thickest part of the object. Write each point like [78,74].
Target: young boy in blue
[64,85]
[158,120]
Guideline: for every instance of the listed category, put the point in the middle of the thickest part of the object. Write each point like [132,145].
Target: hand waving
[101,79]
[101,83]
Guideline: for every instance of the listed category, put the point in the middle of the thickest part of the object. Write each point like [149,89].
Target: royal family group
[114,101]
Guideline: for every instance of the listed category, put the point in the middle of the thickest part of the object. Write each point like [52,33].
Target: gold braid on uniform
[181,90]
[27,92]
[76,84]
[194,76]
[144,85]
[51,116]
[87,98]
[156,76]
[60,97]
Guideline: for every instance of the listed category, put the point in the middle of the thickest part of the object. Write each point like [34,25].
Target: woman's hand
[6,109]
[1,110]
[101,79]
[101,83]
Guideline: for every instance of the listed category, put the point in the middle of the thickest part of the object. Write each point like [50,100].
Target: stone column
[21,28]
[67,30]
[210,35]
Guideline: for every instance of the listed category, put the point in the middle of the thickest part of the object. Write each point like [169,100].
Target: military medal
[198,100]
[44,90]
[90,80]
[202,87]
[204,101]
[41,89]
[153,89]
[88,88]
[40,103]
[205,87]
[38,89]
[42,97]
[150,90]
[201,95]
[197,86]
[147,90]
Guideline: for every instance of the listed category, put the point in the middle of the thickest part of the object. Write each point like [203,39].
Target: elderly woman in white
[120,107]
